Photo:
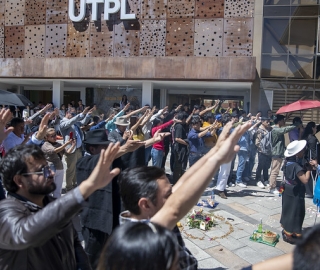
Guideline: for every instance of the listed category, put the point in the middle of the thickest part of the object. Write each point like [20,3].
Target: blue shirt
[197,144]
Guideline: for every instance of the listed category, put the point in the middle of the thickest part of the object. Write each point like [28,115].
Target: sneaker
[233,185]
[274,191]
[260,185]
[241,185]
[227,186]
[266,183]
[246,179]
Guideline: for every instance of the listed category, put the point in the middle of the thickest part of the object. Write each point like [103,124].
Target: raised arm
[210,108]
[197,178]
[136,111]
[136,125]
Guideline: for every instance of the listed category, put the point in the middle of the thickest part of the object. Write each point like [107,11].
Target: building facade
[247,52]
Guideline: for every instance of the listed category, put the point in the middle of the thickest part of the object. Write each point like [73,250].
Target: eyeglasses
[46,171]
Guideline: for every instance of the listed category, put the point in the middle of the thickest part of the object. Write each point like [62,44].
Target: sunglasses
[46,171]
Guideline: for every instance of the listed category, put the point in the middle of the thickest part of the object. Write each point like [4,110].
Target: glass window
[277,2]
[303,37]
[304,11]
[300,67]
[304,2]
[275,39]
[274,66]
[276,11]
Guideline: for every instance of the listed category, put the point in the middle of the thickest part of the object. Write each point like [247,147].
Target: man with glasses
[36,230]
[70,126]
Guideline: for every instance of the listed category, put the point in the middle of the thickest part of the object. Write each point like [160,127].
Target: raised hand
[5,117]
[43,126]
[125,108]
[86,110]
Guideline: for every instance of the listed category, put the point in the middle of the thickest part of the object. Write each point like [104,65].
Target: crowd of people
[119,196]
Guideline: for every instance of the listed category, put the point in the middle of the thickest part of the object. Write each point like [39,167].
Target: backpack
[266,144]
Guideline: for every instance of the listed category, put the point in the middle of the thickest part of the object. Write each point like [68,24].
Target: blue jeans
[193,158]
[242,159]
[157,156]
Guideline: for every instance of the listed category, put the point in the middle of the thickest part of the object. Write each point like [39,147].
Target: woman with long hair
[312,141]
[140,245]
[123,102]
[293,204]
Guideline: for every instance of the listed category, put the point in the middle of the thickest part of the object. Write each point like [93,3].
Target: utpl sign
[107,9]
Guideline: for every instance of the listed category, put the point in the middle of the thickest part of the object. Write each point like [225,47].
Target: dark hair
[115,105]
[279,117]
[139,245]
[195,120]
[182,115]
[15,121]
[137,183]
[207,116]
[156,121]
[96,119]
[296,119]
[14,162]
[308,130]
[196,107]
[306,254]
[236,110]
[225,118]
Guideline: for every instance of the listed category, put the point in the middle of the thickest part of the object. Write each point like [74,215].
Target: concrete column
[20,89]
[147,93]
[57,93]
[163,98]
[83,96]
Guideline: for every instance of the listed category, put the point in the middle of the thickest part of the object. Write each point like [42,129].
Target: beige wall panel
[34,41]
[238,37]
[78,40]
[234,68]
[126,38]
[209,9]
[208,37]
[170,67]
[2,11]
[14,13]
[32,67]
[56,40]
[57,67]
[117,70]
[153,9]
[101,39]
[239,8]
[14,41]
[135,68]
[57,11]
[180,9]
[202,68]
[180,37]
[35,12]
[153,38]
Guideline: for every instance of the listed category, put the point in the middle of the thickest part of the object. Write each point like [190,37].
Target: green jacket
[277,137]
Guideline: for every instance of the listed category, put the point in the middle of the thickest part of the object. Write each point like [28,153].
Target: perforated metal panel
[153,9]
[34,41]
[2,11]
[56,40]
[126,38]
[14,13]
[35,12]
[209,9]
[134,7]
[78,40]
[208,37]
[14,41]
[153,38]
[237,38]
[180,9]
[57,12]
[101,39]
[180,37]
[239,8]
[1,41]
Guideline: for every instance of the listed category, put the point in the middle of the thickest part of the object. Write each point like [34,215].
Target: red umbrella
[299,105]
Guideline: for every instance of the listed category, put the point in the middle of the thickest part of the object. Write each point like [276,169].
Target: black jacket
[38,238]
